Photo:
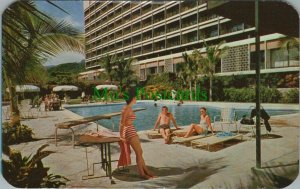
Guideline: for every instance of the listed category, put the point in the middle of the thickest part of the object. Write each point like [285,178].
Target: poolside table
[104,145]
[72,123]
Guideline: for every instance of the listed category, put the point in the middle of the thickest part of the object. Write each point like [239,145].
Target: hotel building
[156,33]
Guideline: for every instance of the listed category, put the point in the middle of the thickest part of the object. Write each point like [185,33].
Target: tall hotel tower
[156,33]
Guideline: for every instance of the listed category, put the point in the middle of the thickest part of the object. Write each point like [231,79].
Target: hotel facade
[156,33]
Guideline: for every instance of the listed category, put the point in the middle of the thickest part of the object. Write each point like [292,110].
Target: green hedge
[292,96]
[269,95]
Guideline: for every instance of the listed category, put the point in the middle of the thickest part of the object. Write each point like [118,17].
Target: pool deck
[177,166]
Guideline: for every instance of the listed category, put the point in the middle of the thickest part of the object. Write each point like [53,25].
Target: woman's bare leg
[193,128]
[142,169]
[190,131]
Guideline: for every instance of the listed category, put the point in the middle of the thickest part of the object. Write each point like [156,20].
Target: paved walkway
[177,166]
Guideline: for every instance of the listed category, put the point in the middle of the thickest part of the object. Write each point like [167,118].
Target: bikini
[129,130]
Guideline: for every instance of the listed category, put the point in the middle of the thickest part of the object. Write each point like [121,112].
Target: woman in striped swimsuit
[128,134]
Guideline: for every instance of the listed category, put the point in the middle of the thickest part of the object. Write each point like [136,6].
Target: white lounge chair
[227,117]
[212,140]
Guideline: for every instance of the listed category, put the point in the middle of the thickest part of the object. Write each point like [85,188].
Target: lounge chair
[227,117]
[187,141]
[153,134]
[212,140]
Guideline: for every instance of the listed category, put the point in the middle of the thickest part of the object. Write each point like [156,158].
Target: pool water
[146,119]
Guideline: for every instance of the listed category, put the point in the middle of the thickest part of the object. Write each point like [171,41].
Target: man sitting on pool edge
[163,120]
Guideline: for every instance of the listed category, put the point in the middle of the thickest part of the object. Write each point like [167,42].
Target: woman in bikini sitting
[128,133]
[205,123]
[164,124]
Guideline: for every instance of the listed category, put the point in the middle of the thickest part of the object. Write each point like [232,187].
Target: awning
[275,16]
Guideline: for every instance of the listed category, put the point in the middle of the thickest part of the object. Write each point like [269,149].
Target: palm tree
[123,71]
[29,38]
[187,70]
[108,63]
[207,63]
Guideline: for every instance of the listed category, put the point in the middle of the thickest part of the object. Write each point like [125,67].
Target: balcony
[172,29]
[136,39]
[187,5]
[159,46]
[159,17]
[146,9]
[207,17]
[136,27]
[230,27]
[146,22]
[126,7]
[127,30]
[136,52]
[172,13]
[127,54]
[174,41]
[147,50]
[135,15]
[127,42]
[159,31]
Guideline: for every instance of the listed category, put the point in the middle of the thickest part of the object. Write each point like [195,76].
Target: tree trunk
[14,110]
[190,90]
[210,88]
[195,96]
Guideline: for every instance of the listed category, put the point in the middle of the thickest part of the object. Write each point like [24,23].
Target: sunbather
[201,128]
[163,120]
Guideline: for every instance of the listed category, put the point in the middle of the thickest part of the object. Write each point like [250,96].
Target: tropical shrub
[163,78]
[16,134]
[292,96]
[29,171]
[269,95]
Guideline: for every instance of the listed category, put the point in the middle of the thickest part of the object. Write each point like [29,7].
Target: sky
[75,17]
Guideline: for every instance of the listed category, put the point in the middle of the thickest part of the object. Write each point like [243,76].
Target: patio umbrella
[109,87]
[26,88]
[65,88]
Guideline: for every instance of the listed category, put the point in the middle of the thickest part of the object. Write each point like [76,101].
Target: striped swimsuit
[129,130]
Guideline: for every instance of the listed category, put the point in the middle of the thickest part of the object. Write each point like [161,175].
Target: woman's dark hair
[131,95]
[203,108]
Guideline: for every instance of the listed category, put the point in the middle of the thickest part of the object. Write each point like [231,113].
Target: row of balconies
[144,36]
[165,43]
[120,10]
[129,17]
[184,6]
[224,29]
[191,20]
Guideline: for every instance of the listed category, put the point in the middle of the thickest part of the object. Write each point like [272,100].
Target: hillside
[67,67]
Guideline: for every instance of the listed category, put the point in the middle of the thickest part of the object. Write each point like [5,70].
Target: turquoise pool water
[146,119]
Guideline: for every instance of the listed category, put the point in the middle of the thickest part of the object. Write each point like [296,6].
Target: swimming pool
[146,119]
